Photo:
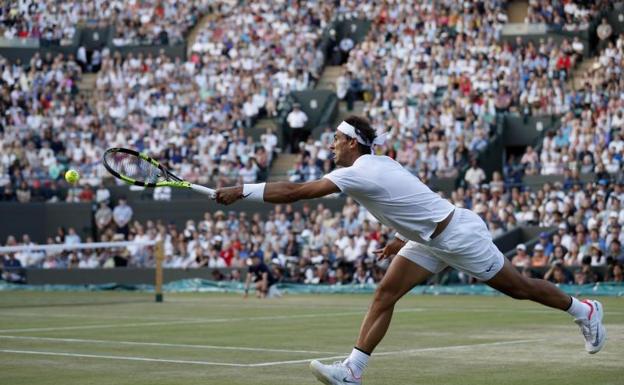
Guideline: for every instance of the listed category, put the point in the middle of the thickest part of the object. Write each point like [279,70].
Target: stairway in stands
[578,74]
[86,85]
[517,11]
[328,78]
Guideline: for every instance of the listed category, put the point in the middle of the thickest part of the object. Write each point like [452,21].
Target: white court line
[265,318]
[261,364]
[47,314]
[165,323]
[158,344]
[123,358]
[401,352]
[363,309]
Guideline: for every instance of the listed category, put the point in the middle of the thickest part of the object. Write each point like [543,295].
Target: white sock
[357,361]
[578,309]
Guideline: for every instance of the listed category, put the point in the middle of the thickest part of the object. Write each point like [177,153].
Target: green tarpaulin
[206,286]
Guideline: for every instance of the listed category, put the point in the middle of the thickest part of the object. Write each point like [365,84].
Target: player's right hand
[391,249]
[229,195]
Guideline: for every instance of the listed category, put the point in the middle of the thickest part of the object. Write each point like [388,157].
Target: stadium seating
[438,74]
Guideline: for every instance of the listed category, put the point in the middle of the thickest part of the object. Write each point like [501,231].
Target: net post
[159,256]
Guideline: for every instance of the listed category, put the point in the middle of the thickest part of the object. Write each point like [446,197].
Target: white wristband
[400,237]
[254,192]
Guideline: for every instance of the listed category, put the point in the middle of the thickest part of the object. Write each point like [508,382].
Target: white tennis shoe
[336,374]
[592,328]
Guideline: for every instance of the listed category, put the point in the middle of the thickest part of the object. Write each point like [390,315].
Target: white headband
[349,131]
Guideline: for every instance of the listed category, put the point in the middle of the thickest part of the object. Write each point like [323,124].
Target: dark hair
[362,128]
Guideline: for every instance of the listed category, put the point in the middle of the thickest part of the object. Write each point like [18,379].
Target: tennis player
[431,234]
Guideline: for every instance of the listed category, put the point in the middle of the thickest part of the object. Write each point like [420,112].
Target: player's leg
[467,245]
[413,266]
[260,292]
[401,277]
[273,292]
[509,281]
[588,314]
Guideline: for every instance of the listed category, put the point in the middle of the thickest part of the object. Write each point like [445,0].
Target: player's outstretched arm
[277,192]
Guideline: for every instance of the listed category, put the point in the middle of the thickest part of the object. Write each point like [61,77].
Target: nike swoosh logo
[245,196]
[489,268]
[346,381]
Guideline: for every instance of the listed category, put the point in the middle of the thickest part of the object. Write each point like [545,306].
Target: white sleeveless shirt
[393,195]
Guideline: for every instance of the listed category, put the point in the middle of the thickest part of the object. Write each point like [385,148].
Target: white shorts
[465,244]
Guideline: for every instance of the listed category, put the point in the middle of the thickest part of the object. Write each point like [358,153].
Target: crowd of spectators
[153,22]
[40,109]
[436,75]
[184,113]
[590,136]
[149,103]
[588,220]
[253,55]
[134,22]
[312,245]
[566,15]
[422,71]
[316,245]
[194,115]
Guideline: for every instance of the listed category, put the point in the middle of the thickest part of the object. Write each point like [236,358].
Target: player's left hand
[229,195]
[391,249]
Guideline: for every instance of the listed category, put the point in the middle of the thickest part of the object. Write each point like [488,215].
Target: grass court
[107,338]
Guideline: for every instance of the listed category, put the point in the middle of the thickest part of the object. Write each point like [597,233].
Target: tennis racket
[139,169]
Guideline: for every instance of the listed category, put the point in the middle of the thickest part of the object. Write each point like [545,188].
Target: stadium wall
[526,131]
[119,276]
[40,220]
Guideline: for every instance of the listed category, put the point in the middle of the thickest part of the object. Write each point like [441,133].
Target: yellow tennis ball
[72,176]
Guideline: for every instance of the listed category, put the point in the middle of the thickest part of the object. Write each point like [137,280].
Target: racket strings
[134,167]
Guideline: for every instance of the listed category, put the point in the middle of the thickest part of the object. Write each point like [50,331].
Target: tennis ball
[72,176]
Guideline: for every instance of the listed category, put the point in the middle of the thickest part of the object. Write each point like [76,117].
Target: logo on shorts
[489,268]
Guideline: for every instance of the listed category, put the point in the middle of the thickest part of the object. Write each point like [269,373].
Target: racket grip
[204,190]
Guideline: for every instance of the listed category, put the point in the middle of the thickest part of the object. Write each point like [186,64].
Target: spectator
[162,193]
[103,218]
[249,174]
[521,259]
[558,275]
[539,259]
[616,273]
[297,120]
[604,32]
[72,237]
[616,252]
[12,269]
[362,276]
[23,193]
[475,174]
[342,85]
[262,277]
[122,215]
[597,256]
[102,194]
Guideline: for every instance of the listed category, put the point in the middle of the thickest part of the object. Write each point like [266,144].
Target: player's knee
[386,294]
